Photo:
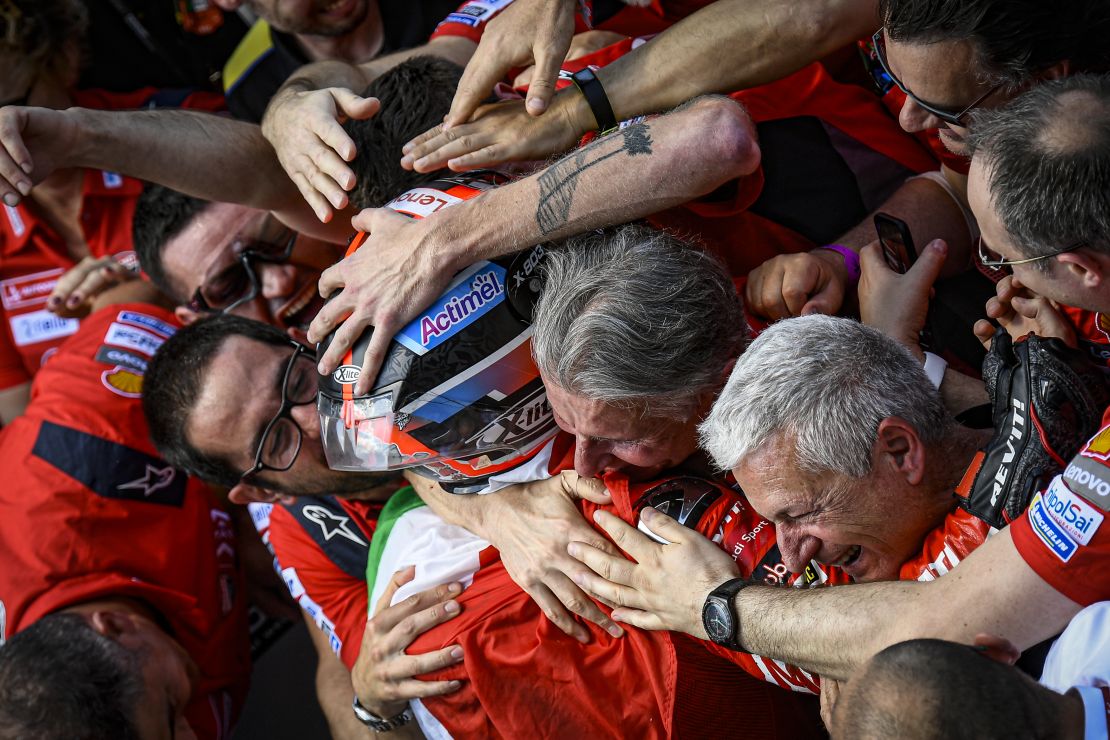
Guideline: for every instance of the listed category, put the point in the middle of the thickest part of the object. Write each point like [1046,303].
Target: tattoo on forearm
[558,183]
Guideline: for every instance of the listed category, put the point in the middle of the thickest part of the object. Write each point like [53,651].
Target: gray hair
[633,316]
[1048,154]
[826,382]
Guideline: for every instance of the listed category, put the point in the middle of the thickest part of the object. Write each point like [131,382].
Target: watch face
[716,617]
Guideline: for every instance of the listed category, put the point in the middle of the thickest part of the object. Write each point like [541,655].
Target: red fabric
[33,256]
[1062,535]
[470,20]
[63,544]
[334,600]
[517,665]
[1092,330]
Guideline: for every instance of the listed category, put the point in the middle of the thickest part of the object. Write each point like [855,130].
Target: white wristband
[935,366]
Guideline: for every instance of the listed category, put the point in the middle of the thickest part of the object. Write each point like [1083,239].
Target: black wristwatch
[378,724]
[717,616]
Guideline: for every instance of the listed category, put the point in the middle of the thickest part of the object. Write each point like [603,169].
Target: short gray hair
[633,316]
[1048,153]
[826,382]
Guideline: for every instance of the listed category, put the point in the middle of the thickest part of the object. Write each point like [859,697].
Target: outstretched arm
[638,170]
[728,45]
[201,154]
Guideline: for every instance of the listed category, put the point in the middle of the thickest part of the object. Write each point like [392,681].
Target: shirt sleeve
[1060,535]
[470,19]
[12,370]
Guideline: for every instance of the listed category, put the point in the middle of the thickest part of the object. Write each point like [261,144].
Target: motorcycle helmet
[458,396]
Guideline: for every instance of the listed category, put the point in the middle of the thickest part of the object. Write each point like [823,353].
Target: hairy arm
[201,154]
[531,524]
[835,630]
[334,689]
[636,171]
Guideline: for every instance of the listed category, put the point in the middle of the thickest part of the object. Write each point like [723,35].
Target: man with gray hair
[635,333]
[836,436]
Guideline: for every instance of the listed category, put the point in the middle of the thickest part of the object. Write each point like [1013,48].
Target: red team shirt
[88,510]
[1061,536]
[33,256]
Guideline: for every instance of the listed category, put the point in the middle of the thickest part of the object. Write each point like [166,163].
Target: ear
[1057,71]
[898,447]
[112,624]
[245,493]
[186,315]
[1085,267]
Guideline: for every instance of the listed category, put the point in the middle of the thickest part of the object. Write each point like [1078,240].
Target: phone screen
[897,244]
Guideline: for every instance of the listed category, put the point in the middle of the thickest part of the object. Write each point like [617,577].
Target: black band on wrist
[596,98]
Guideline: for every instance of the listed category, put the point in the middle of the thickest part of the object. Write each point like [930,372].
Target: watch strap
[596,98]
[380,724]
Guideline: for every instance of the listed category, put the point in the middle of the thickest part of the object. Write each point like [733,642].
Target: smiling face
[943,74]
[204,253]
[241,394]
[867,526]
[614,439]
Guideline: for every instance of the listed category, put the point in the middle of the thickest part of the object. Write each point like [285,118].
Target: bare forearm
[931,213]
[832,631]
[639,170]
[962,392]
[732,45]
[463,511]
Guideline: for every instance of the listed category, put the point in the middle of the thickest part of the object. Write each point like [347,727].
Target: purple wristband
[851,260]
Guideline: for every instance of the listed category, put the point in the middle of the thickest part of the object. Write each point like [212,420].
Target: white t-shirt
[1080,659]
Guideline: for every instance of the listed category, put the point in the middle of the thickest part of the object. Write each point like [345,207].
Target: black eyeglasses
[238,283]
[992,260]
[281,440]
[955,118]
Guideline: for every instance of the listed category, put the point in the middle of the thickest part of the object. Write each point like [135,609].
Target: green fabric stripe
[403,501]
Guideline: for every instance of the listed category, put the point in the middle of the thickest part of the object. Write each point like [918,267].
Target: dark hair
[1048,154]
[174,380]
[415,96]
[60,678]
[160,215]
[938,690]
[1015,39]
[37,31]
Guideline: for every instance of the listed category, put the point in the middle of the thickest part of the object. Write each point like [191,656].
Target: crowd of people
[572,368]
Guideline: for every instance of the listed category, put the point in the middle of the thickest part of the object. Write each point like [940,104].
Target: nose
[913,117]
[276,281]
[796,546]
[590,456]
[308,419]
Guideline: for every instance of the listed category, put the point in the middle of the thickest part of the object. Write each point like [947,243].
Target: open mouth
[301,309]
[849,558]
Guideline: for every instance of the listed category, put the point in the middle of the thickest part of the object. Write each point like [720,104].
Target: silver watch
[378,724]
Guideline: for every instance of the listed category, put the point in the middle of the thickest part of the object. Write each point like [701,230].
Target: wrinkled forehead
[207,241]
[240,390]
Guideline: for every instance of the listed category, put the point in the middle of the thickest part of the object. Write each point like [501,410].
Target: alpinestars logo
[155,480]
[331,524]
[1017,431]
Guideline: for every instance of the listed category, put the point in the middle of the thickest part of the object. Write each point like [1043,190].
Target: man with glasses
[1038,184]
[939,62]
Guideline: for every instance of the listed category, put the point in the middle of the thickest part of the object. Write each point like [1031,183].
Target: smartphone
[896,241]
